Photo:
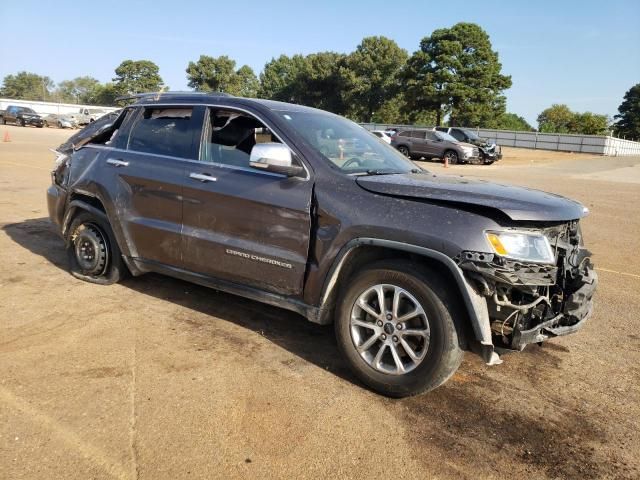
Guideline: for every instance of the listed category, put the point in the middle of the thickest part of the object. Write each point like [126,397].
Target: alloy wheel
[389,329]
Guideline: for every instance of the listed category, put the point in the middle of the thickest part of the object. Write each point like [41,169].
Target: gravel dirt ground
[156,378]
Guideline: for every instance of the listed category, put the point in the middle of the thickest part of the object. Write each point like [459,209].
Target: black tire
[21,122]
[404,150]
[444,352]
[92,250]
[452,155]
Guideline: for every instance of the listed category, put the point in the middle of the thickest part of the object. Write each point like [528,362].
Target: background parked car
[489,151]
[433,144]
[381,134]
[88,115]
[21,116]
[60,121]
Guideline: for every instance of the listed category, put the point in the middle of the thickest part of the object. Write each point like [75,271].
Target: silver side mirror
[274,157]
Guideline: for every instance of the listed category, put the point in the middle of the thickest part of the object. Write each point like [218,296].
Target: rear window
[163,131]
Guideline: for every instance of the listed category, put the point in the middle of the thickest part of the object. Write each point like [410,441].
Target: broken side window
[163,131]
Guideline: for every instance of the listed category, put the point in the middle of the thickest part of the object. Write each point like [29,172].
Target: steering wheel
[351,161]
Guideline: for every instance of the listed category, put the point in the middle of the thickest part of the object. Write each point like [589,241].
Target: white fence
[596,144]
[45,108]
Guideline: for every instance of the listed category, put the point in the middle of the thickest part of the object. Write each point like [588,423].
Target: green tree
[589,123]
[105,95]
[137,76]
[561,119]
[320,83]
[456,71]
[511,121]
[371,75]
[628,117]
[78,90]
[27,86]
[279,79]
[219,74]
[314,80]
[556,119]
[247,82]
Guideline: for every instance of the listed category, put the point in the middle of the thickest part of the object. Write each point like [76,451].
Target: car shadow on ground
[309,341]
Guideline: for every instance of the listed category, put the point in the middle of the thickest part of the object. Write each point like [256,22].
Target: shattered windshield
[347,145]
[471,135]
[447,137]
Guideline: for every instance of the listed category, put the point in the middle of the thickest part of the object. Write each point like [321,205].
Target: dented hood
[518,203]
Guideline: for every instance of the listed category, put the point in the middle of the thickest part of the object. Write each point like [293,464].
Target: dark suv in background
[412,267]
[490,152]
[418,143]
[21,116]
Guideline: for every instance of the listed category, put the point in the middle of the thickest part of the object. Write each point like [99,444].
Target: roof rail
[157,95]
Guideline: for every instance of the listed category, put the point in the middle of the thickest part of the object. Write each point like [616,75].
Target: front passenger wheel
[93,252]
[394,325]
[451,156]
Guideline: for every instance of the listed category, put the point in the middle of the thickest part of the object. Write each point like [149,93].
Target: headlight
[529,247]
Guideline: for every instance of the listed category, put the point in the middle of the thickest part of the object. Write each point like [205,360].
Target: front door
[241,224]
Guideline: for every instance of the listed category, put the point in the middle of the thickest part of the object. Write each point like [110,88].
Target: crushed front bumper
[578,308]
[531,302]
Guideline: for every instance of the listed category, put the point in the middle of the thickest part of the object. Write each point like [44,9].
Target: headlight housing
[524,246]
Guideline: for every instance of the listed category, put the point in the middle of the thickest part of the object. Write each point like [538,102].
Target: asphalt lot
[157,378]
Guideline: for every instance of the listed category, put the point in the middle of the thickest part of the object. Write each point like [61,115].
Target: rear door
[417,142]
[241,224]
[147,170]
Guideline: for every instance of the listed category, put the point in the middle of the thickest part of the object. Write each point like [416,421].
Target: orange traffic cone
[446,162]
[7,137]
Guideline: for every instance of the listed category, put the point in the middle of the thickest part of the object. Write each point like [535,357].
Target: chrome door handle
[202,177]
[117,163]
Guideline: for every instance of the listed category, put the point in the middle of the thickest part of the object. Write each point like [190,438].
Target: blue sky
[582,53]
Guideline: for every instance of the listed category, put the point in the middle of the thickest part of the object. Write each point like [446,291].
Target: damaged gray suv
[246,196]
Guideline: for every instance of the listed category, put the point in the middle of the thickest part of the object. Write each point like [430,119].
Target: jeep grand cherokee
[412,267]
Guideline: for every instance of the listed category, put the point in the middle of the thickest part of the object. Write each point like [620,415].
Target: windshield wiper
[382,172]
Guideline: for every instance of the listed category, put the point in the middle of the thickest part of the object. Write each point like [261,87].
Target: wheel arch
[361,251]
[90,203]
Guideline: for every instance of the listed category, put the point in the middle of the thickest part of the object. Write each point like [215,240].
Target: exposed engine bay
[531,302]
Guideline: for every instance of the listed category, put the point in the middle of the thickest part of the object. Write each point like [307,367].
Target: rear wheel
[394,325]
[451,156]
[21,122]
[93,252]
[404,150]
